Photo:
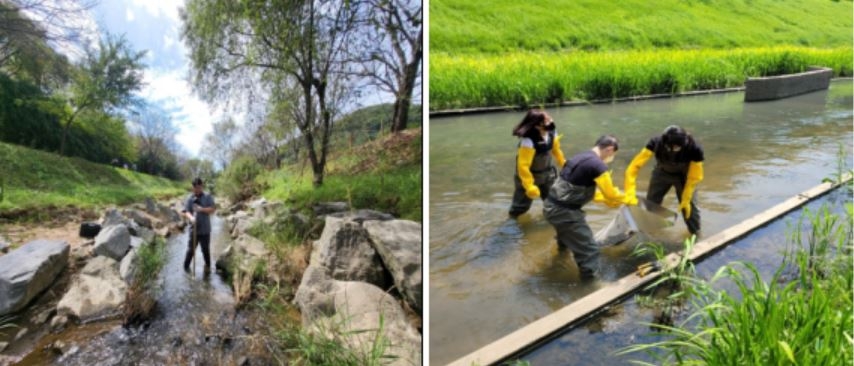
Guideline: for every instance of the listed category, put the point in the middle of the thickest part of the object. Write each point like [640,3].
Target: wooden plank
[518,340]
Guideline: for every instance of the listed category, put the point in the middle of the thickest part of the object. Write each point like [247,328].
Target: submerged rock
[29,270]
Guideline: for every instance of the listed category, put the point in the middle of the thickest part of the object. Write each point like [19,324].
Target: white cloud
[129,15]
[191,115]
[160,8]
[168,41]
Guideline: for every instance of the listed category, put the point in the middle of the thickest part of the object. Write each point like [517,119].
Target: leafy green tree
[296,48]
[106,79]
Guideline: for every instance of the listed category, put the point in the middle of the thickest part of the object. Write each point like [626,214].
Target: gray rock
[136,242]
[150,205]
[326,208]
[28,270]
[257,203]
[4,245]
[138,217]
[42,317]
[21,333]
[58,322]
[128,265]
[168,214]
[242,226]
[360,310]
[268,209]
[345,250]
[97,292]
[89,242]
[399,243]
[3,346]
[112,217]
[146,234]
[113,242]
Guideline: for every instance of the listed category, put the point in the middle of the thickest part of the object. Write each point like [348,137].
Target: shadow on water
[194,323]
[490,275]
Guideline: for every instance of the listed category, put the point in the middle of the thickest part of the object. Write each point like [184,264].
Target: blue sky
[154,26]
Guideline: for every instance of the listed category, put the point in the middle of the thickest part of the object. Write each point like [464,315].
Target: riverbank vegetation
[797,316]
[554,51]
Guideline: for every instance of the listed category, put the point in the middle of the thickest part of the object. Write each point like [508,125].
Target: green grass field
[33,179]
[518,53]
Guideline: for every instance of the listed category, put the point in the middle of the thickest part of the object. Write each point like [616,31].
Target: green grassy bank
[559,50]
[383,175]
[34,179]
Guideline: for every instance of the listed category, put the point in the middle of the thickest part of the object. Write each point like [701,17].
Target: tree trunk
[404,98]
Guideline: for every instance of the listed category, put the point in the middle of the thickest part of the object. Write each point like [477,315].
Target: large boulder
[112,241]
[28,270]
[399,244]
[97,292]
[147,235]
[150,205]
[345,251]
[139,218]
[242,226]
[362,215]
[359,311]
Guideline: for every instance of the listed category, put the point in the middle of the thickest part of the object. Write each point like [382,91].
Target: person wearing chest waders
[197,209]
[679,164]
[537,154]
[584,178]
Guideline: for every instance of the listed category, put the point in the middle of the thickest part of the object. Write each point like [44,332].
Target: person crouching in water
[584,178]
[538,152]
[678,164]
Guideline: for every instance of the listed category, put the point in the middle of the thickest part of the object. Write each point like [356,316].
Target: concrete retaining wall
[782,86]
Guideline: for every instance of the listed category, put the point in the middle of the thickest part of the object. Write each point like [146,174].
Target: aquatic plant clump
[526,79]
[802,319]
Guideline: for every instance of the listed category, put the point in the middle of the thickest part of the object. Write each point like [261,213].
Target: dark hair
[674,135]
[533,118]
[605,141]
[198,182]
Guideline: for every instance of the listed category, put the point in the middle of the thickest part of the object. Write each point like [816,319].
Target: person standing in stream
[202,205]
[679,164]
[538,152]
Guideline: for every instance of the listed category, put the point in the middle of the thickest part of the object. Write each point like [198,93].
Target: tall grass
[142,292]
[805,320]
[532,78]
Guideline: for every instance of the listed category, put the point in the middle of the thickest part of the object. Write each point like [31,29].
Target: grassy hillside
[383,175]
[465,27]
[33,179]
[582,50]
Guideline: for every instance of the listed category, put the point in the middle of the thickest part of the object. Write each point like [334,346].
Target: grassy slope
[35,179]
[460,27]
[383,175]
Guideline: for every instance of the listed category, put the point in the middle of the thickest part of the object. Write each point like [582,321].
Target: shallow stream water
[490,275]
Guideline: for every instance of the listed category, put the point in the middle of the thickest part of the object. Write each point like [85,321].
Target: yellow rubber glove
[630,183]
[524,158]
[695,175]
[557,153]
[599,197]
[606,185]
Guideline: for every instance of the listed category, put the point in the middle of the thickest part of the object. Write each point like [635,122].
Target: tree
[155,142]
[106,79]
[391,51]
[30,22]
[297,47]
[219,143]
